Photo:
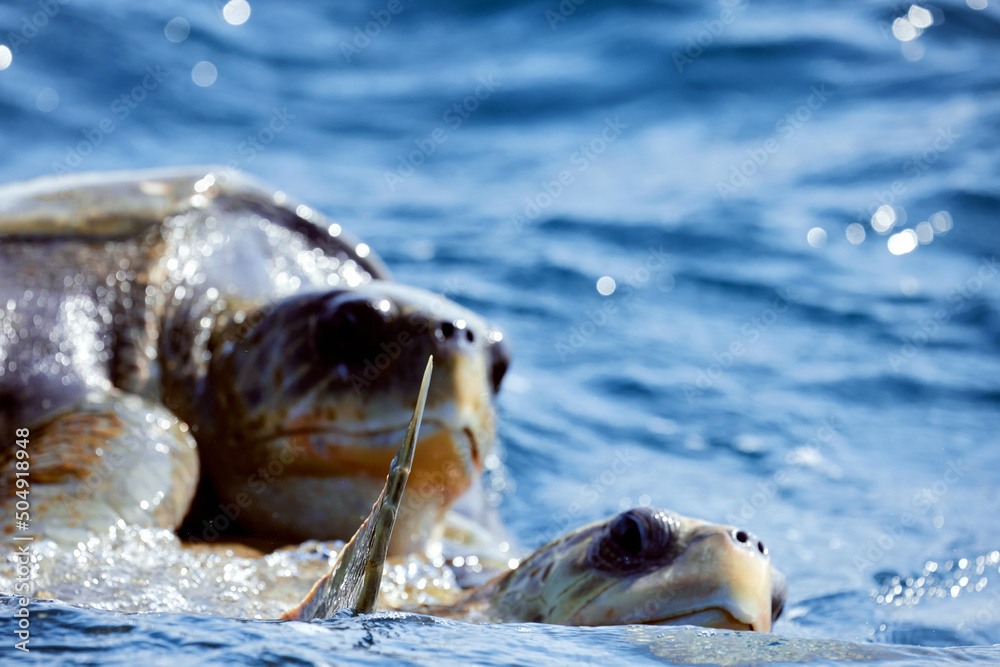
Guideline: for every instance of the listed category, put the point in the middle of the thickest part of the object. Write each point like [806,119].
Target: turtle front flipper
[112,456]
[353,581]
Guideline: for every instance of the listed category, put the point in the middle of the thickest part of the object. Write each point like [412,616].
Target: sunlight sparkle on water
[884,219]
[941,221]
[925,232]
[47,100]
[177,29]
[913,50]
[903,242]
[903,30]
[5,57]
[920,17]
[855,233]
[236,12]
[606,285]
[816,237]
[204,74]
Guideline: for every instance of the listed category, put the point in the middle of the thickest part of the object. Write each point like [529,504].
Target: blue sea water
[797,203]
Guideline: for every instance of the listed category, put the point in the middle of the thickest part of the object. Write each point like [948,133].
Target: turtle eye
[634,541]
[349,332]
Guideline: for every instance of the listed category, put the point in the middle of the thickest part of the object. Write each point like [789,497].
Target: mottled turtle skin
[642,566]
[164,327]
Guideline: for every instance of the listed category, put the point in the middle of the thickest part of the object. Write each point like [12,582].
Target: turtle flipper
[111,456]
[353,581]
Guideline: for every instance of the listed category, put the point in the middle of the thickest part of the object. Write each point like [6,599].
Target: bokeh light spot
[884,219]
[903,242]
[47,100]
[606,285]
[920,17]
[204,73]
[236,12]
[903,30]
[855,233]
[665,282]
[5,57]
[913,51]
[816,237]
[925,232]
[942,222]
[177,29]
[909,285]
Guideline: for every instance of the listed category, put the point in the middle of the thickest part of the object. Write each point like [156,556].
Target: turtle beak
[722,579]
[499,357]
[756,591]
[779,593]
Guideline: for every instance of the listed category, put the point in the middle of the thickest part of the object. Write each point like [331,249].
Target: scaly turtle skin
[160,327]
[159,323]
[643,566]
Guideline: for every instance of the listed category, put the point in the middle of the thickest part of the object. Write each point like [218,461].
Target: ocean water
[745,253]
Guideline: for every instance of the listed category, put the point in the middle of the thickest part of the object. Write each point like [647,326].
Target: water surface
[767,356]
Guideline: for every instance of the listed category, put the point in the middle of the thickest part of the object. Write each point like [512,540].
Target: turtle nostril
[471,337]
[447,329]
[748,539]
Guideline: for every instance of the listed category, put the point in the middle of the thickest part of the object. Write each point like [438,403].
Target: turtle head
[644,566]
[314,394]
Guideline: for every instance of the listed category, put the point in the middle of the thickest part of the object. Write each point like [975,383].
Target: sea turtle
[162,323]
[161,327]
[643,566]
